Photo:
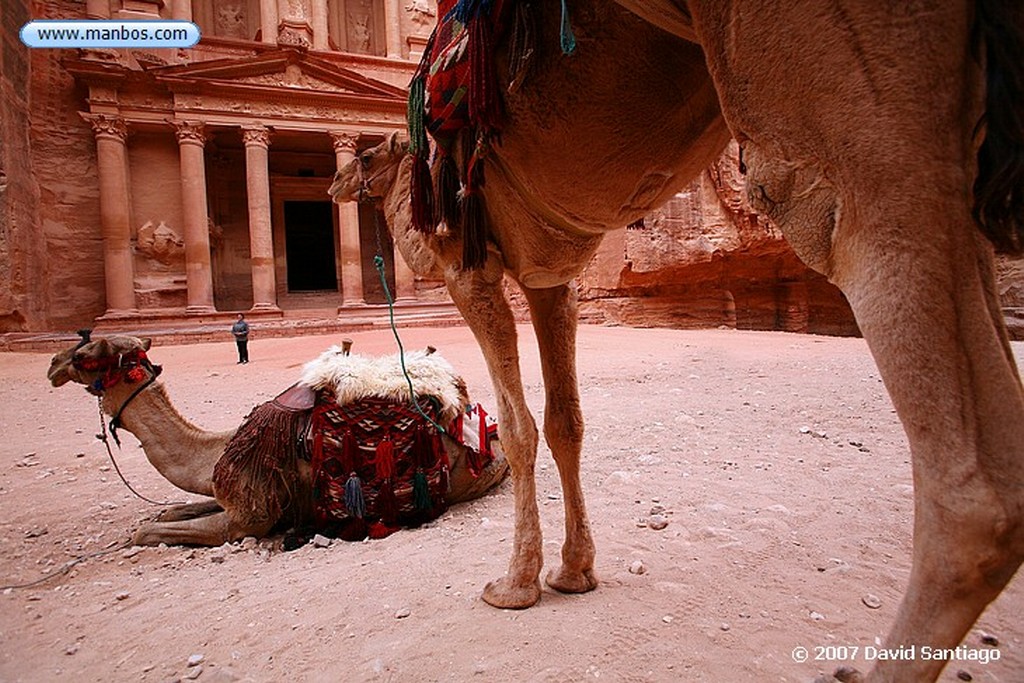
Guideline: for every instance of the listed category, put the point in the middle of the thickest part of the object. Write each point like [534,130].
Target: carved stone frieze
[292,78]
[422,12]
[107,126]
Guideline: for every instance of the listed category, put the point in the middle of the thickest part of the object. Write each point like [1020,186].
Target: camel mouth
[58,378]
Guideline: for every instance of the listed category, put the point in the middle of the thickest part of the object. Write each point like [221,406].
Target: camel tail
[999,186]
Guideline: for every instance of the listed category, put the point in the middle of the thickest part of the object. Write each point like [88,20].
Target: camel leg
[479,297]
[210,530]
[869,177]
[554,317]
[189,511]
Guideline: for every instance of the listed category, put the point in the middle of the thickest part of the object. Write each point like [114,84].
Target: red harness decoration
[127,366]
[377,466]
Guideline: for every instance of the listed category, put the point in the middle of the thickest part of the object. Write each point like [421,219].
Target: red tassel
[422,195]
[387,504]
[484,100]
[385,459]
[485,443]
[474,215]
[447,194]
[350,455]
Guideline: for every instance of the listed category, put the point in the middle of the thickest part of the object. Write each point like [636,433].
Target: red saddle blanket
[378,465]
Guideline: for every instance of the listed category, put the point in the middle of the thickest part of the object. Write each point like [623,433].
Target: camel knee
[799,198]
[977,547]
[563,430]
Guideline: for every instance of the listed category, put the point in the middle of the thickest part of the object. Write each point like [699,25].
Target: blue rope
[378,263]
[567,38]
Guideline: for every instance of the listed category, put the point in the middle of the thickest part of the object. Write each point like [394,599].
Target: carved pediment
[293,77]
[280,69]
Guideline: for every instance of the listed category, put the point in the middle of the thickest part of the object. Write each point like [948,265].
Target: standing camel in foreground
[857,123]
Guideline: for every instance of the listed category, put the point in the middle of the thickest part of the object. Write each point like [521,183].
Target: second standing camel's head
[371,173]
[99,361]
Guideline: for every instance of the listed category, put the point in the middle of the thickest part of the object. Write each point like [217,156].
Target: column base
[118,314]
[265,308]
[200,310]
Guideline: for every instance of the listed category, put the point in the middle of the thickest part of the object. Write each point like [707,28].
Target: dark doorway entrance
[309,246]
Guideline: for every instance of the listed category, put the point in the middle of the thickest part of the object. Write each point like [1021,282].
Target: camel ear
[393,144]
[146,343]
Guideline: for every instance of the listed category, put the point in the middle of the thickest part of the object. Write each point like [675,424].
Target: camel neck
[182,452]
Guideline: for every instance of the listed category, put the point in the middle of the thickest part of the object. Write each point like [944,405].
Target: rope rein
[378,263]
[115,423]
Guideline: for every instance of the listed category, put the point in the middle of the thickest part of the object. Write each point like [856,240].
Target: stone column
[319,23]
[115,212]
[348,218]
[198,271]
[393,27]
[268,21]
[181,10]
[261,238]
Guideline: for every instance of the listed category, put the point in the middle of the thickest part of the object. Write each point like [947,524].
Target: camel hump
[298,396]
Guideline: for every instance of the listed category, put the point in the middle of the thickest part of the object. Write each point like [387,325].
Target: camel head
[100,363]
[371,173]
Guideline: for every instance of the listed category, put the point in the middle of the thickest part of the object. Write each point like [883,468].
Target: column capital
[343,141]
[256,134]
[108,126]
[189,132]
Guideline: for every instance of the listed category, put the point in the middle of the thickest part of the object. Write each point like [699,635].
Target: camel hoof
[567,581]
[503,594]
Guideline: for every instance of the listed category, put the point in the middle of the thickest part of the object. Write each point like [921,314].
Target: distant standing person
[241,331]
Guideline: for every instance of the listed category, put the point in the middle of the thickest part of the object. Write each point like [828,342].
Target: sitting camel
[256,473]
[858,125]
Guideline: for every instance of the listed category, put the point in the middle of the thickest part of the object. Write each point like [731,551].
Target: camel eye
[365,160]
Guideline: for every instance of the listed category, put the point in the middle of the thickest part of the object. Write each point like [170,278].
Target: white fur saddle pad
[354,377]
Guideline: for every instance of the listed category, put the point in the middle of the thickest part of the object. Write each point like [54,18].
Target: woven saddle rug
[379,464]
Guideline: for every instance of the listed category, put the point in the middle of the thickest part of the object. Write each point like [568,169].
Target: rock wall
[707,259]
[20,239]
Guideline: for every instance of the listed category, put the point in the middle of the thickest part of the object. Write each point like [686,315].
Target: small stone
[193,673]
[123,595]
[79,455]
[657,510]
[964,676]
[249,542]
[321,541]
[218,555]
[667,618]
[71,649]
[989,639]
[725,626]
[817,616]
[872,601]
[805,430]
[195,659]
[402,613]
[132,552]
[36,532]
[637,567]
[657,522]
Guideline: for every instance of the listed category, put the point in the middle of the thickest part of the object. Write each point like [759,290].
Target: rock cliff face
[707,259]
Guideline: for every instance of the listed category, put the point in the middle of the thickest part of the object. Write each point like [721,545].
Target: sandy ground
[780,529]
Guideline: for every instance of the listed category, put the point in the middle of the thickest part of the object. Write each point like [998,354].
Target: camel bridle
[122,367]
